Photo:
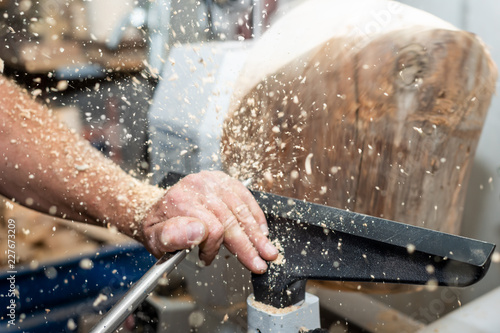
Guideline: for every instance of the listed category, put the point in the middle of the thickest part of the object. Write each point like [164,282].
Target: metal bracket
[324,243]
[302,316]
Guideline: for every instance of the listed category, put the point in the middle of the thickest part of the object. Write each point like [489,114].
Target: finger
[246,196]
[129,323]
[252,231]
[176,234]
[235,238]
[185,201]
[215,232]
[209,250]
[238,244]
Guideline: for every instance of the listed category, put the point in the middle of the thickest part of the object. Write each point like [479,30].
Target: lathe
[266,102]
[403,118]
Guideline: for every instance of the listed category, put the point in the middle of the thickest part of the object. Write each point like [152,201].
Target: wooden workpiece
[376,110]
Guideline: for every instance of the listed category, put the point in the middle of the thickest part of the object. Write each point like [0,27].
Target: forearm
[47,167]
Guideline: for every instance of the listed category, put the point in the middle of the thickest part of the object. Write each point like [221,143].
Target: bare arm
[49,168]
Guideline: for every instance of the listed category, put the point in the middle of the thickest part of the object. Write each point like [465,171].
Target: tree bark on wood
[386,125]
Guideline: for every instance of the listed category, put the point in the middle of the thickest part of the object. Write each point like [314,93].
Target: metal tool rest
[325,243]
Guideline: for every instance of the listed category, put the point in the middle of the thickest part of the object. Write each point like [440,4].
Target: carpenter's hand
[208,209]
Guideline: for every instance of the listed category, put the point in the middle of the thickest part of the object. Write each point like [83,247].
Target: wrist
[126,206]
[142,197]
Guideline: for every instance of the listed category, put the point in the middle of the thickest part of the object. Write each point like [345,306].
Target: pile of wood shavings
[271,309]
[280,260]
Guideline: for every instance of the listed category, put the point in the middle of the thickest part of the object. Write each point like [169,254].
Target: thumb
[180,233]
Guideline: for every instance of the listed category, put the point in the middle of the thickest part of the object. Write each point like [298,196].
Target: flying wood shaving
[308,164]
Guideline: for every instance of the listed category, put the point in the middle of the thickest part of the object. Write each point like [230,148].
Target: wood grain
[387,129]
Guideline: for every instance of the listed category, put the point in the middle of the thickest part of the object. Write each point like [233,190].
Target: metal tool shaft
[138,293]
